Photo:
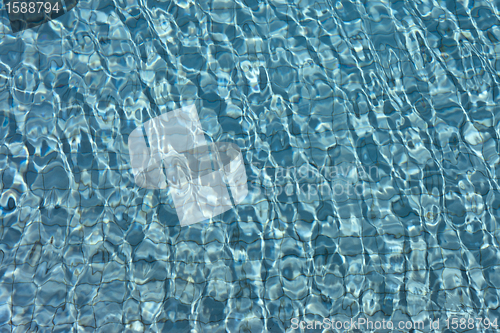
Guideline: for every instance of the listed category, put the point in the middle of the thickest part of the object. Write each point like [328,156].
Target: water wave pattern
[406,89]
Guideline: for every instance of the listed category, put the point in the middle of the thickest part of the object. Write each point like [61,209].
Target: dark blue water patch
[57,216]
[367,152]
[325,210]
[8,125]
[102,256]
[4,268]
[175,326]
[263,79]
[85,157]
[55,178]
[46,156]
[213,102]
[135,234]
[179,311]
[211,311]
[11,205]
[231,125]
[11,237]
[472,240]
[11,51]
[275,325]
[8,175]
[481,183]
[324,246]
[484,17]
[22,294]
[432,178]
[448,239]
[487,257]
[61,85]
[30,175]
[54,235]
[150,270]
[93,208]
[168,218]
[186,21]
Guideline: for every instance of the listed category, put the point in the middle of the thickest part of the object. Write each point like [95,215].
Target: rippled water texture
[406,90]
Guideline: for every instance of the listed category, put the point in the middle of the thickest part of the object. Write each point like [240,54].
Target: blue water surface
[369,131]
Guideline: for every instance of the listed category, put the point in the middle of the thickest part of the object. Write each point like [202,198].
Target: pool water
[369,132]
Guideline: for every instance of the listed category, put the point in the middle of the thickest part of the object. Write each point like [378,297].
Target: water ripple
[393,102]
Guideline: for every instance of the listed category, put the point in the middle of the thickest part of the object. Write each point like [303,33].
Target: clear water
[404,90]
